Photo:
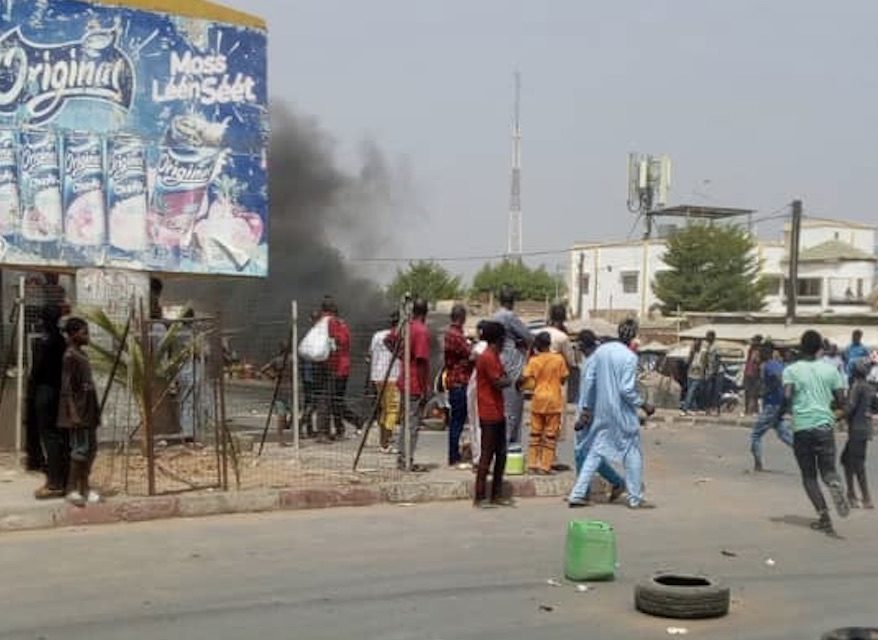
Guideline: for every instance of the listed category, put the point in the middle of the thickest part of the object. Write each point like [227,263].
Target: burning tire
[677,595]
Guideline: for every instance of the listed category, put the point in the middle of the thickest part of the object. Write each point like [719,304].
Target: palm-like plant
[163,364]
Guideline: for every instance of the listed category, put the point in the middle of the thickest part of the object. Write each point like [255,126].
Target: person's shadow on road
[797,521]
[800,521]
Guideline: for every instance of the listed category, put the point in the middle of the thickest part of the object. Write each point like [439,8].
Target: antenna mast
[514,243]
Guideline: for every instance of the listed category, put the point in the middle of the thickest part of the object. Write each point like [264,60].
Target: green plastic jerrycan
[590,551]
[514,464]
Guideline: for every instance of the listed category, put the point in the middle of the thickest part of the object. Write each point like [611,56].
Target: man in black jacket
[44,388]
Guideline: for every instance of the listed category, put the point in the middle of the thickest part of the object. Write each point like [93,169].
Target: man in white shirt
[383,373]
[558,332]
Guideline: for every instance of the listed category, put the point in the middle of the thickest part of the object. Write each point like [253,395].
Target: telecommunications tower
[649,180]
[514,242]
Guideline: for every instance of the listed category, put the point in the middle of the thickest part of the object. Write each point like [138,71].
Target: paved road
[442,571]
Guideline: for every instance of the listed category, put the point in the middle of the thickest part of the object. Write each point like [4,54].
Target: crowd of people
[486,380]
[817,390]
[800,393]
[704,378]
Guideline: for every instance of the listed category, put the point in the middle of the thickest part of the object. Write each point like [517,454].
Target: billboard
[132,138]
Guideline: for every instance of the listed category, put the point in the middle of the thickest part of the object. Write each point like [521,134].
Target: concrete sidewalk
[19,510]
[17,515]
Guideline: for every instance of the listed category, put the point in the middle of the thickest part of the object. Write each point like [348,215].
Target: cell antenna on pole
[649,180]
[514,242]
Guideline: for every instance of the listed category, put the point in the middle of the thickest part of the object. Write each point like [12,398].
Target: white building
[836,271]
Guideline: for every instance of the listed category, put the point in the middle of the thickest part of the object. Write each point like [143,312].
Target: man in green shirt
[810,387]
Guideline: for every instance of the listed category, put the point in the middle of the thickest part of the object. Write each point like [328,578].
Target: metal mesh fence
[332,413]
[225,418]
[190,404]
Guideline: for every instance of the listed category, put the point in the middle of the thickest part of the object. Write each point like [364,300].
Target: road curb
[141,509]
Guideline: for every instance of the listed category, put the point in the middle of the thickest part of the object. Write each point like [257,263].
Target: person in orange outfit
[546,373]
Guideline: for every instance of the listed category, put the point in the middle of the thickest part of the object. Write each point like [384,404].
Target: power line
[493,256]
[634,226]
[772,215]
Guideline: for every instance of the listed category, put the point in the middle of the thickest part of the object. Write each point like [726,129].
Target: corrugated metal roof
[192,9]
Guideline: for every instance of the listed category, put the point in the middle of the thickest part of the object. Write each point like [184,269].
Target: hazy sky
[765,100]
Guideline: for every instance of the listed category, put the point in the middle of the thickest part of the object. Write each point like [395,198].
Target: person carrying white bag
[472,405]
[316,346]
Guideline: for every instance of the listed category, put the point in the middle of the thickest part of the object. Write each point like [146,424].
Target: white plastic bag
[316,345]
[472,403]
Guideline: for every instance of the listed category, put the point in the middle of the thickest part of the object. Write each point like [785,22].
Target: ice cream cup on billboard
[40,175]
[84,201]
[180,195]
[127,197]
[9,202]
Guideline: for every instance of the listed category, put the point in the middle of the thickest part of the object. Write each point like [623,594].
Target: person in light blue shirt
[771,416]
[610,402]
[588,343]
[856,351]
[814,390]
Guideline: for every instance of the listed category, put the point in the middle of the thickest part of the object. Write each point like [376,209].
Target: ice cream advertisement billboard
[132,138]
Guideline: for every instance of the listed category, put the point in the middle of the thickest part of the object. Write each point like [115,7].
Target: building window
[584,283]
[808,291]
[773,285]
[630,281]
[843,291]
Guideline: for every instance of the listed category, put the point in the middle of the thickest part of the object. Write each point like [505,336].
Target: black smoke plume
[319,216]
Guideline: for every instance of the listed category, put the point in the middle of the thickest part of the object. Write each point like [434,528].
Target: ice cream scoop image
[128,224]
[84,224]
[227,231]
[44,218]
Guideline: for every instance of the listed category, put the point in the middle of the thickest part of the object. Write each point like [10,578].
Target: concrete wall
[607,269]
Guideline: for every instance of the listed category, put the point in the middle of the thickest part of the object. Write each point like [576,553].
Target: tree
[528,283]
[425,279]
[711,268]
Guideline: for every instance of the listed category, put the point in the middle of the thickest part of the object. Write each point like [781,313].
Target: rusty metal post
[19,367]
[148,443]
[217,434]
[224,433]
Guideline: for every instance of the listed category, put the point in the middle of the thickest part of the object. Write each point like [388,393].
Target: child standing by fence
[79,412]
[546,373]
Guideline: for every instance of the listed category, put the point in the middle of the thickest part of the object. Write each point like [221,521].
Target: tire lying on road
[679,595]
[851,633]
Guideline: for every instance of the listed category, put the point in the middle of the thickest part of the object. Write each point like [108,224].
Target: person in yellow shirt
[545,374]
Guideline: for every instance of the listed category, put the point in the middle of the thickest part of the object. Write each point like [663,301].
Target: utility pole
[579,274]
[514,240]
[793,288]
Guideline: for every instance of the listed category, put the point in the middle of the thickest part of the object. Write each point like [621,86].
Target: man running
[771,416]
[810,387]
[611,399]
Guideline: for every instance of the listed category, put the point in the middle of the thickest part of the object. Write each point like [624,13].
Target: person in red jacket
[458,368]
[491,379]
[336,374]
[414,378]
